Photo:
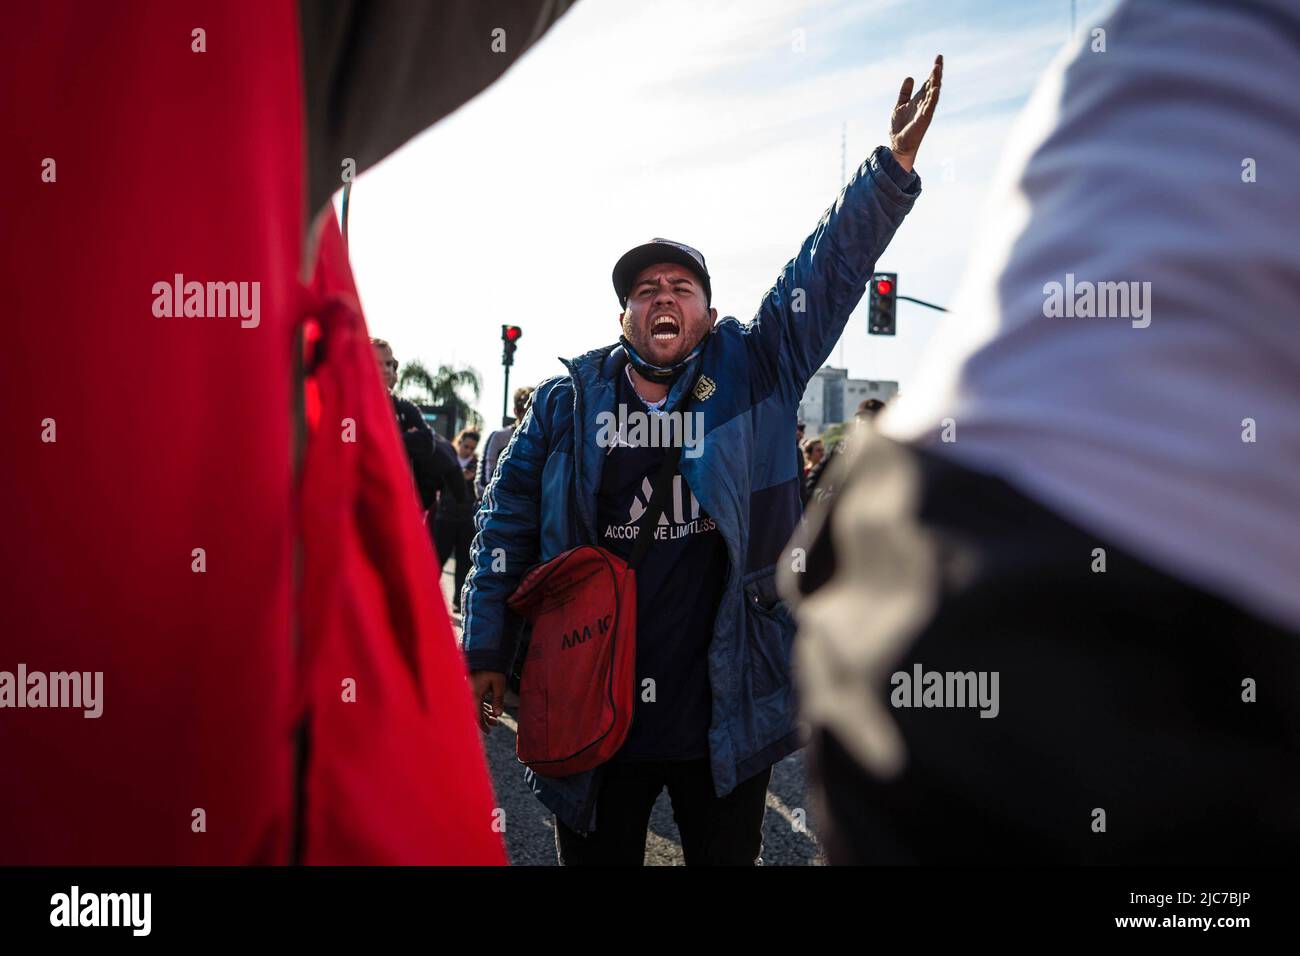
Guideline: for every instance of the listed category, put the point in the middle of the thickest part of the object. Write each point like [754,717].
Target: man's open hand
[912,115]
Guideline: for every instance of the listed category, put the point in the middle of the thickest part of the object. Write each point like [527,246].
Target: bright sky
[712,122]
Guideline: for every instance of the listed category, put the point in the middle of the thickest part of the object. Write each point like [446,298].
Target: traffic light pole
[928,305]
[510,335]
[505,400]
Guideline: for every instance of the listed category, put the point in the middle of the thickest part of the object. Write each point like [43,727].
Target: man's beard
[646,346]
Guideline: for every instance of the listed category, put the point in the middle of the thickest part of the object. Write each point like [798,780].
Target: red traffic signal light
[510,334]
[882,303]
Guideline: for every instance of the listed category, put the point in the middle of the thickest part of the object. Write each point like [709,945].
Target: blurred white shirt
[1127,166]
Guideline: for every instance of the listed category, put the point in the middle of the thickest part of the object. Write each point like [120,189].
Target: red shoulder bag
[578,687]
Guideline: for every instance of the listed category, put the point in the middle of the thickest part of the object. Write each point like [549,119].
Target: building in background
[833,397]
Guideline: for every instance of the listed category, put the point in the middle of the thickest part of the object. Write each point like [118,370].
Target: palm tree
[416,383]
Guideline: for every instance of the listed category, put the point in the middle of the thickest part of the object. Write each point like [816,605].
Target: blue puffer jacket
[543,499]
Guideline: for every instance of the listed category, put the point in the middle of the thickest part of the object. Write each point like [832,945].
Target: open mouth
[665,327]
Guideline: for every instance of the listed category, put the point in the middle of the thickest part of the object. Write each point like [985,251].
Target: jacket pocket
[769,633]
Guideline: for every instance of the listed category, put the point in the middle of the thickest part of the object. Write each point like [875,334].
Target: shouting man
[714,705]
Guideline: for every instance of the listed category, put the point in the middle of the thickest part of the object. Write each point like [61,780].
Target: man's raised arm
[804,313]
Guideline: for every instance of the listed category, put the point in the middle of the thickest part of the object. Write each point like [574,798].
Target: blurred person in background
[817,486]
[433,463]
[497,441]
[813,452]
[454,525]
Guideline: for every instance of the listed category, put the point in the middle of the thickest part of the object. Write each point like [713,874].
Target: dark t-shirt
[679,585]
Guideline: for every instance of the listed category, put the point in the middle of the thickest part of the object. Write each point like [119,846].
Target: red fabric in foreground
[406,754]
[175,434]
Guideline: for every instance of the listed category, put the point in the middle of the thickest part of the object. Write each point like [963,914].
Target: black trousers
[452,538]
[715,831]
[1120,691]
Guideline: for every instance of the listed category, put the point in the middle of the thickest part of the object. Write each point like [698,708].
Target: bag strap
[655,507]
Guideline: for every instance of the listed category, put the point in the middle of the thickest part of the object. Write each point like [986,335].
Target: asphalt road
[788,826]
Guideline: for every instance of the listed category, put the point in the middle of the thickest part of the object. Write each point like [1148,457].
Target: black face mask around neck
[657,373]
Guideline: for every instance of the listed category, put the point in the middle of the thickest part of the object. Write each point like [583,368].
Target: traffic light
[883,304]
[510,334]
